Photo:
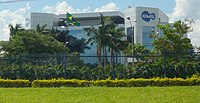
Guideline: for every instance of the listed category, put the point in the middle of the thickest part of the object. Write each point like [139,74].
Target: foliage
[98,36]
[115,41]
[74,60]
[77,45]
[31,72]
[28,41]
[14,83]
[60,83]
[107,36]
[173,40]
[41,29]
[74,44]
[138,50]
[76,70]
[118,82]
[15,29]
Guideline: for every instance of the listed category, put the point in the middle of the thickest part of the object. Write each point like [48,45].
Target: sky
[17,12]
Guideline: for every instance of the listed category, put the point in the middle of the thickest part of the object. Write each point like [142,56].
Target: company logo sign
[146,16]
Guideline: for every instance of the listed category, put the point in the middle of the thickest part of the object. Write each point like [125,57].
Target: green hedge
[102,83]
[14,83]
[147,70]
[60,83]
[118,83]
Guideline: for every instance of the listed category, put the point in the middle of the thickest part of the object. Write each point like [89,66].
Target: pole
[132,41]
[65,55]
[65,65]
[133,45]
[165,57]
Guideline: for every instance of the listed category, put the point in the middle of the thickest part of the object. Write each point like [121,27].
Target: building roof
[94,14]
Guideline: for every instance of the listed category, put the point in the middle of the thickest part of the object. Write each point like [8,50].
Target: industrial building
[138,23]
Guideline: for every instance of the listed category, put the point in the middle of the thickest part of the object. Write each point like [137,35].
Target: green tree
[73,43]
[140,51]
[173,41]
[14,29]
[99,37]
[41,29]
[29,41]
[116,43]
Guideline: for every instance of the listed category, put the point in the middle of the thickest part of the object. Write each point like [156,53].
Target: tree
[99,37]
[116,43]
[140,51]
[173,41]
[29,41]
[14,29]
[41,29]
[73,43]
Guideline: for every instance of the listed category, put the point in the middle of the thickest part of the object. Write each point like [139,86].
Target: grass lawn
[101,95]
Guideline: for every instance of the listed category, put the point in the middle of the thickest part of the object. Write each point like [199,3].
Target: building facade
[142,21]
[138,22]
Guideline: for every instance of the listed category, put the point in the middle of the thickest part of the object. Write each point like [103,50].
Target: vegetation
[44,68]
[14,83]
[118,83]
[107,36]
[101,95]
[173,41]
[74,44]
[15,29]
[29,42]
[23,59]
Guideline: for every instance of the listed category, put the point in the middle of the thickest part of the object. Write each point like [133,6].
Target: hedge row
[118,83]
[102,83]
[144,70]
[14,83]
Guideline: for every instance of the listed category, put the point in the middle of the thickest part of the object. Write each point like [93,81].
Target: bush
[141,82]
[60,83]
[148,70]
[14,83]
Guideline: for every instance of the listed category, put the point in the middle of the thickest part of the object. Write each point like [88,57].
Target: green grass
[101,95]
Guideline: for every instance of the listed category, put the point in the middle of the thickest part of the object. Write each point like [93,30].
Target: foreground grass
[101,95]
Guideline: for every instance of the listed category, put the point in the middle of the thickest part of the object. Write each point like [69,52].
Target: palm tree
[139,50]
[73,43]
[99,37]
[116,42]
[41,29]
[14,30]
[76,45]
[95,37]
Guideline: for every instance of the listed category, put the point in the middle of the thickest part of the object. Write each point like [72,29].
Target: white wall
[136,15]
[42,19]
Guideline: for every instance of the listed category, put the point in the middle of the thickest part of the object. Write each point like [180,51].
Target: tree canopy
[173,39]
[29,41]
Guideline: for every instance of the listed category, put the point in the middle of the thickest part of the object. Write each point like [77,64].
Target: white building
[142,20]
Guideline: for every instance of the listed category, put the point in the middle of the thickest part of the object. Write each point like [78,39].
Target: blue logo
[146,16]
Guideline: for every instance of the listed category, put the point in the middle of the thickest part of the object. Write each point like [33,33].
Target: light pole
[132,29]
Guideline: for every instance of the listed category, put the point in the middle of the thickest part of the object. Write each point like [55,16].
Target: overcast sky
[17,12]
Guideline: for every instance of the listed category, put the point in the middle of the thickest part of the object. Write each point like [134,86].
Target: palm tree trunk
[99,56]
[111,58]
[116,58]
[105,56]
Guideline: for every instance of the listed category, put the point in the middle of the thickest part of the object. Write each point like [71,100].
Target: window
[130,34]
[147,41]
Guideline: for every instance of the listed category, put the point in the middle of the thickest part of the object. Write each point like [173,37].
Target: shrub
[14,83]
[141,82]
[60,83]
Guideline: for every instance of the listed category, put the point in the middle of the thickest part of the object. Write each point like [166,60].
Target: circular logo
[146,16]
